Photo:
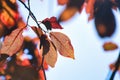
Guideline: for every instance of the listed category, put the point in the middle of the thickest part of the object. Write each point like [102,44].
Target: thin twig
[29,12]
[32,15]
[44,72]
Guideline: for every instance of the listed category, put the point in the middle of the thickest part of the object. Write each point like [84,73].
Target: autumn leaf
[51,23]
[8,15]
[90,9]
[109,46]
[68,13]
[38,31]
[13,42]
[72,7]
[62,2]
[51,56]
[44,42]
[63,44]
[104,18]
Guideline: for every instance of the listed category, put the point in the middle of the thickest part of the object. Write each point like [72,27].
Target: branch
[31,14]
[117,64]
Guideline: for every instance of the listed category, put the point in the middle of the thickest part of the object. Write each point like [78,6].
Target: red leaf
[63,44]
[51,23]
[55,24]
[62,2]
[13,42]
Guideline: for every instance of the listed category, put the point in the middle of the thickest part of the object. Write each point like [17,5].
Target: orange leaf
[63,44]
[10,18]
[62,2]
[90,8]
[13,42]
[51,56]
[68,13]
[38,31]
[109,46]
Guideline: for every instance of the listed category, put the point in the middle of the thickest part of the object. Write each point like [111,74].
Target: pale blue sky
[91,62]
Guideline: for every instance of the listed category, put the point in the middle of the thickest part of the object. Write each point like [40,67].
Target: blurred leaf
[8,14]
[90,8]
[62,2]
[38,31]
[104,18]
[1,30]
[63,44]
[68,13]
[109,46]
[51,56]
[21,23]
[13,42]
[41,74]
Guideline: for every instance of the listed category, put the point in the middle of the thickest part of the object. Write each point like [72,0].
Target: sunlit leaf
[13,42]
[109,46]
[104,18]
[63,44]
[62,2]
[38,31]
[51,56]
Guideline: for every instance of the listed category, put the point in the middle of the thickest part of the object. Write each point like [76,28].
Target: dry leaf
[38,31]
[68,13]
[51,56]
[13,42]
[109,46]
[63,44]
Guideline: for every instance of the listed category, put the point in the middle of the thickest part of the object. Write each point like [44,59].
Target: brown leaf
[51,56]
[63,44]
[38,31]
[68,13]
[13,42]
[110,46]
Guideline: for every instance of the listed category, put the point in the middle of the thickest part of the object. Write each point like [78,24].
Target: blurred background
[91,61]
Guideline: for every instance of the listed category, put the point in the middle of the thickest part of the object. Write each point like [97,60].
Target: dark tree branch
[31,14]
[117,64]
